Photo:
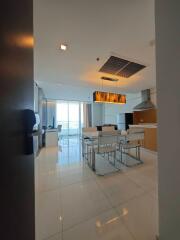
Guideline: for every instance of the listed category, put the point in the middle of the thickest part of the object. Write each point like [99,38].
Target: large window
[70,116]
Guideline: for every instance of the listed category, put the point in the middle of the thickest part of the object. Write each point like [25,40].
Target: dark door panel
[16,94]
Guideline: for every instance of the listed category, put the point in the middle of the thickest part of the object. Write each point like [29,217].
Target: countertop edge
[142,126]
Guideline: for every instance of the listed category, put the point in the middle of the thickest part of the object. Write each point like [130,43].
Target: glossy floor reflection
[72,203]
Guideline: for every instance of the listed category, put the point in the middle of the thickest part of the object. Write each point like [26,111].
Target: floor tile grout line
[115,209]
[61,209]
[62,187]
[130,200]
[137,184]
[112,208]
[50,236]
[104,211]
[93,180]
[87,219]
[130,232]
[106,196]
[101,212]
[86,180]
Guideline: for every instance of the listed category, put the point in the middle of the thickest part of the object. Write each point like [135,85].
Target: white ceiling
[96,28]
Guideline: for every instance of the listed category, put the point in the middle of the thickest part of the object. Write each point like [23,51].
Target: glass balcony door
[69,115]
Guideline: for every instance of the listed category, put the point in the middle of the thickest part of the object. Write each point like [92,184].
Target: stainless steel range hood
[146,103]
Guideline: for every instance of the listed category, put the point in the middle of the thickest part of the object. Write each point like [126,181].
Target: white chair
[59,127]
[108,128]
[89,129]
[86,142]
[107,144]
[124,132]
[135,130]
[132,141]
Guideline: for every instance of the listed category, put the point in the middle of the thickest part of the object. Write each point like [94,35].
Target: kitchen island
[150,135]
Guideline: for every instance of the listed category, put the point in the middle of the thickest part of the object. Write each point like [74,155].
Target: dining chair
[137,130]
[86,142]
[89,129]
[132,141]
[108,128]
[107,144]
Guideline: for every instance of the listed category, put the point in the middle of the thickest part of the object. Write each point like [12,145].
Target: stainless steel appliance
[123,120]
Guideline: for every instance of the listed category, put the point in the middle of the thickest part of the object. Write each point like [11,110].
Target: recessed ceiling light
[63,47]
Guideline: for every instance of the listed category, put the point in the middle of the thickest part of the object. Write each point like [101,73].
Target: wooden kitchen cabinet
[150,138]
[147,116]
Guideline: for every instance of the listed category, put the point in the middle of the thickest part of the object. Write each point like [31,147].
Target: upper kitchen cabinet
[146,116]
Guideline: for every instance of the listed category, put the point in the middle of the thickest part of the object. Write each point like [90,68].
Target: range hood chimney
[146,101]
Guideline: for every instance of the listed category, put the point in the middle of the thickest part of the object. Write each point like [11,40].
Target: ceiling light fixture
[63,47]
[110,79]
[107,97]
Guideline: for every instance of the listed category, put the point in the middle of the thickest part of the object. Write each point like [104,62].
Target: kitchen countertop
[150,125]
[51,130]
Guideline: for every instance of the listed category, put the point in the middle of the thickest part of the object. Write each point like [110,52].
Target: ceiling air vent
[121,67]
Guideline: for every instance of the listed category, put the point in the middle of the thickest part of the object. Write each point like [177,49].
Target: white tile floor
[72,203]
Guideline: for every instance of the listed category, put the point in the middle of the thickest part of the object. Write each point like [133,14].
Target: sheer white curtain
[51,113]
[87,114]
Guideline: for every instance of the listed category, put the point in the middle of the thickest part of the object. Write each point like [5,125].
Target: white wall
[36,99]
[107,113]
[112,110]
[56,91]
[97,114]
[66,92]
[168,92]
[101,113]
